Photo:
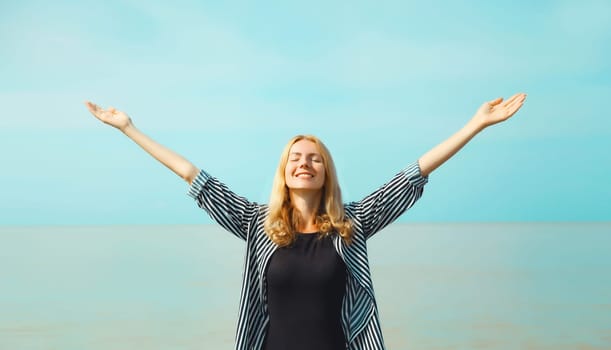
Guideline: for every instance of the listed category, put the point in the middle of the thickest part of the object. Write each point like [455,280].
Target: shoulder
[349,208]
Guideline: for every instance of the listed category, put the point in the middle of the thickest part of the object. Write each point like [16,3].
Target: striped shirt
[245,219]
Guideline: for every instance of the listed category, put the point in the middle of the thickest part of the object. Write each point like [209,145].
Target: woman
[307,283]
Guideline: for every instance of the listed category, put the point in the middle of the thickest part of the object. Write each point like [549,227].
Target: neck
[306,203]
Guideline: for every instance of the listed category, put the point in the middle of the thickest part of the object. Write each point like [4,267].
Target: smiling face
[305,169]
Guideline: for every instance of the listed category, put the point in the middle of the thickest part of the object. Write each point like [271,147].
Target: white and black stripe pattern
[245,219]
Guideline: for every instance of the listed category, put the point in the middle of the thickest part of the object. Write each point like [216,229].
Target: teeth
[304,175]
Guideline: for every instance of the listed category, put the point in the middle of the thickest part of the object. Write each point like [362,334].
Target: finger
[495,101]
[95,109]
[520,97]
[514,106]
[91,106]
[511,100]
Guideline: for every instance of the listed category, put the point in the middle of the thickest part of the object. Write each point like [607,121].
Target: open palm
[497,110]
[109,116]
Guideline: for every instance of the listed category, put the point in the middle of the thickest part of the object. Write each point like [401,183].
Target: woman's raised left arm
[489,113]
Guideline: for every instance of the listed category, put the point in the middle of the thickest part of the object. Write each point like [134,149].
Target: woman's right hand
[109,116]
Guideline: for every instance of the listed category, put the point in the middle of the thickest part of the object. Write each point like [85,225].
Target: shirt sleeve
[229,210]
[387,203]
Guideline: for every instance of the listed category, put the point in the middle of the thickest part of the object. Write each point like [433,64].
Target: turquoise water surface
[439,286]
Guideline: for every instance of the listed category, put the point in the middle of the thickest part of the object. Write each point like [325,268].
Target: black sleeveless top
[306,283]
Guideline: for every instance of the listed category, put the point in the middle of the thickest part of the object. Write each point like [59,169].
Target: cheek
[322,175]
[287,173]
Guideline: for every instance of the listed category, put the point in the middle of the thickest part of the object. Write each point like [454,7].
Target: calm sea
[438,286]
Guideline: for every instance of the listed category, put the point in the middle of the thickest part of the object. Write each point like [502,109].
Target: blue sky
[226,84]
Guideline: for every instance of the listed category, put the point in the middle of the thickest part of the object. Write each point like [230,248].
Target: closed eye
[314,157]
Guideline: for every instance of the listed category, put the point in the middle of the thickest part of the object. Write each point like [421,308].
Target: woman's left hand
[497,110]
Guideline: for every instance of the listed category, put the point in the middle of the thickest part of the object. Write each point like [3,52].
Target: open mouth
[304,175]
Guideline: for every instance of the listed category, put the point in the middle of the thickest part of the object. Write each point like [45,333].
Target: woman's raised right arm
[175,162]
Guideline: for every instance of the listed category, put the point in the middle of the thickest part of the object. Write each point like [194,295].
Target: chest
[309,263]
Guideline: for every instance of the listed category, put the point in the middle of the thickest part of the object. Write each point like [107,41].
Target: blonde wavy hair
[283,220]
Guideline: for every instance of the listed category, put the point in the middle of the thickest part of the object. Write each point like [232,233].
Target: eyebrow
[309,154]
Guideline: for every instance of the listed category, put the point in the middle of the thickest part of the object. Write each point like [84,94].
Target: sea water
[438,286]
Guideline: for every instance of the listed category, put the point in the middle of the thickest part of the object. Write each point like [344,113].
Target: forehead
[304,147]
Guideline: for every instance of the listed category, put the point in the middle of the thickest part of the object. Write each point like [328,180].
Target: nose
[303,163]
